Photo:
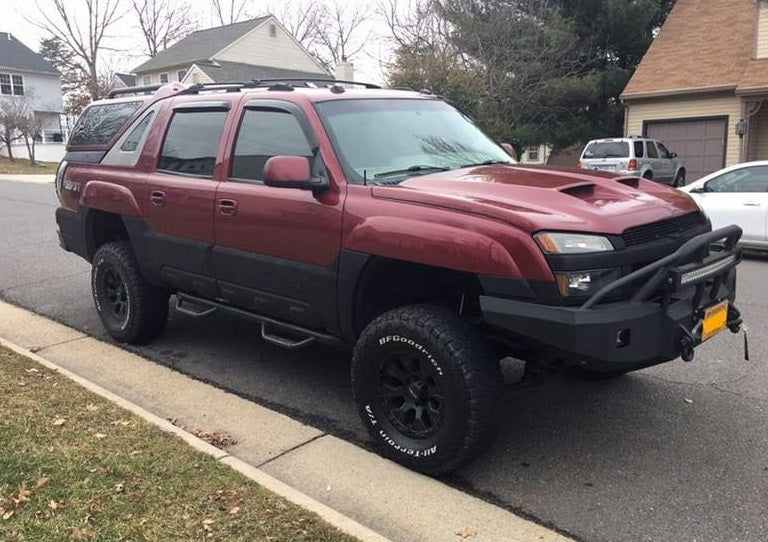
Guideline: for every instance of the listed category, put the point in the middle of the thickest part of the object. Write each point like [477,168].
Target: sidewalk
[22,178]
[378,494]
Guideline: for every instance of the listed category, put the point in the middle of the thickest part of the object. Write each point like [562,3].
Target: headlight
[583,283]
[572,243]
[59,184]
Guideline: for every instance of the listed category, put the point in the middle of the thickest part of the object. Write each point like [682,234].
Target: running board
[269,326]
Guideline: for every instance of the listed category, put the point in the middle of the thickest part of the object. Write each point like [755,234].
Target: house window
[147,80]
[533,153]
[273,30]
[181,74]
[163,78]
[11,85]
[18,85]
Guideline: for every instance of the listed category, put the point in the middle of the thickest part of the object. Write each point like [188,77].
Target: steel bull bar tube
[696,249]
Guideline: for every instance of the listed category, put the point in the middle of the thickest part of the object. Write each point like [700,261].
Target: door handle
[227,207]
[157,197]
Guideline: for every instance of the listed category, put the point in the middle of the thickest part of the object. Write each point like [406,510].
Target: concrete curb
[27,178]
[328,514]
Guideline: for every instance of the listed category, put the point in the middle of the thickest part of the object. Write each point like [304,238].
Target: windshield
[386,141]
[607,149]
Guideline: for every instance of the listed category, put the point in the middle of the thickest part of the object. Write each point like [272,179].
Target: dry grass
[23,167]
[76,467]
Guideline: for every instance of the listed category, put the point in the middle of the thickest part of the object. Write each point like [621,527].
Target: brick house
[702,85]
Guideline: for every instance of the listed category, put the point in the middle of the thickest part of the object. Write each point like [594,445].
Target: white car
[736,195]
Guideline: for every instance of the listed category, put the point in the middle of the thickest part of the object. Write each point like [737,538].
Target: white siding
[762,31]
[260,48]
[689,107]
[44,91]
[154,77]
[195,75]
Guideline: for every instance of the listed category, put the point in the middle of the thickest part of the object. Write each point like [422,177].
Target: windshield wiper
[412,169]
[487,163]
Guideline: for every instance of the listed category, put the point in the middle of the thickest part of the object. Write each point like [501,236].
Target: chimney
[345,71]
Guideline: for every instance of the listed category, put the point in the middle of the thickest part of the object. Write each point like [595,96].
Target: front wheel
[132,310]
[426,387]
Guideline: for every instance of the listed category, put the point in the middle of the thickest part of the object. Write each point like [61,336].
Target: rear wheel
[648,175]
[679,179]
[132,310]
[426,387]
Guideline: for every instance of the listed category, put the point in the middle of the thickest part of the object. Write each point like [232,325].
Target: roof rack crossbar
[268,82]
[133,90]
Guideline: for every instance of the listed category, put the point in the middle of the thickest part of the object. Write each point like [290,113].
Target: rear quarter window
[99,124]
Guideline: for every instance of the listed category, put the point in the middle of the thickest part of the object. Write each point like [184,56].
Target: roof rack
[236,86]
[134,90]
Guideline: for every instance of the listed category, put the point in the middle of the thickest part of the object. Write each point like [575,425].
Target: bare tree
[162,22]
[229,11]
[341,36]
[31,131]
[14,113]
[82,26]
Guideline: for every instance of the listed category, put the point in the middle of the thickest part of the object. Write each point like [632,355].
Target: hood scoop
[632,182]
[580,190]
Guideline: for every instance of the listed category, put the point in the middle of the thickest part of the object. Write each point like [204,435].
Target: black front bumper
[661,321]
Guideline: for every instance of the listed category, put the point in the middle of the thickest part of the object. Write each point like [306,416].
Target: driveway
[678,452]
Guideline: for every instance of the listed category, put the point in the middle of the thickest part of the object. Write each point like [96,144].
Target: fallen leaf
[208,521]
[53,505]
[234,511]
[31,370]
[124,423]
[689,401]
[41,483]
[90,407]
[59,421]
[119,487]
[466,533]
[8,515]
[100,436]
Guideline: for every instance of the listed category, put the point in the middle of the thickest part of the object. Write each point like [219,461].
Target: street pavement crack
[291,449]
[38,349]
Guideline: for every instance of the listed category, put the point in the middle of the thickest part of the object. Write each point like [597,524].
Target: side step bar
[270,327]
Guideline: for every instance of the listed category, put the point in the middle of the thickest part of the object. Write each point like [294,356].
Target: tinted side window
[192,142]
[264,134]
[131,143]
[100,123]
[652,153]
[747,180]
[663,150]
[639,149]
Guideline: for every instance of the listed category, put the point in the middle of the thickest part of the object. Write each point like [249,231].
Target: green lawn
[76,467]
[23,167]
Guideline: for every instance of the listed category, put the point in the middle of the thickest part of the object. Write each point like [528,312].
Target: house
[259,48]
[25,75]
[703,84]
[123,80]
[536,155]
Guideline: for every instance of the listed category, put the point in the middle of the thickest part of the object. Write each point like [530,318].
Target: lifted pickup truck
[387,221]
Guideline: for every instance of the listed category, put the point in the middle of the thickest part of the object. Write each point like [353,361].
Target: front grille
[673,227]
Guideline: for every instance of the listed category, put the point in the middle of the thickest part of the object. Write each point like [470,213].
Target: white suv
[635,156]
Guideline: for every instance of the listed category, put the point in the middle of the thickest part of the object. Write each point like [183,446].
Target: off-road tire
[146,306]
[679,179]
[648,176]
[462,368]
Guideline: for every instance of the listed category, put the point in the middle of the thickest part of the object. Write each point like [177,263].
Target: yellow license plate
[715,320]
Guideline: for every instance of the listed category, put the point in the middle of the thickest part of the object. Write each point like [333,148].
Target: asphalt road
[673,453]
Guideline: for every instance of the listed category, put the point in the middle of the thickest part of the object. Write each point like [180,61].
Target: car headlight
[572,243]
[584,283]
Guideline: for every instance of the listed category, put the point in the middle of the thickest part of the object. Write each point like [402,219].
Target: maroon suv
[385,220]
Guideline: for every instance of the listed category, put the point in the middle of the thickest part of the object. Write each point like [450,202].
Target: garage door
[699,143]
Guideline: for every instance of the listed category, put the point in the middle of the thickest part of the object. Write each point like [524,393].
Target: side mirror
[510,151]
[673,155]
[292,172]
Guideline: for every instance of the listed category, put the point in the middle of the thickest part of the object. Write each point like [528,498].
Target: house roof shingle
[704,45]
[223,72]
[200,45]
[16,55]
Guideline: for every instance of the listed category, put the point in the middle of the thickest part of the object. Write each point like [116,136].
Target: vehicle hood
[537,198]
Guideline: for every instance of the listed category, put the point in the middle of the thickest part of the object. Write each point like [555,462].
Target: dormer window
[272,30]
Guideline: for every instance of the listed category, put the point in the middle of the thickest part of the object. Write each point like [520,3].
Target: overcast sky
[126,37]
